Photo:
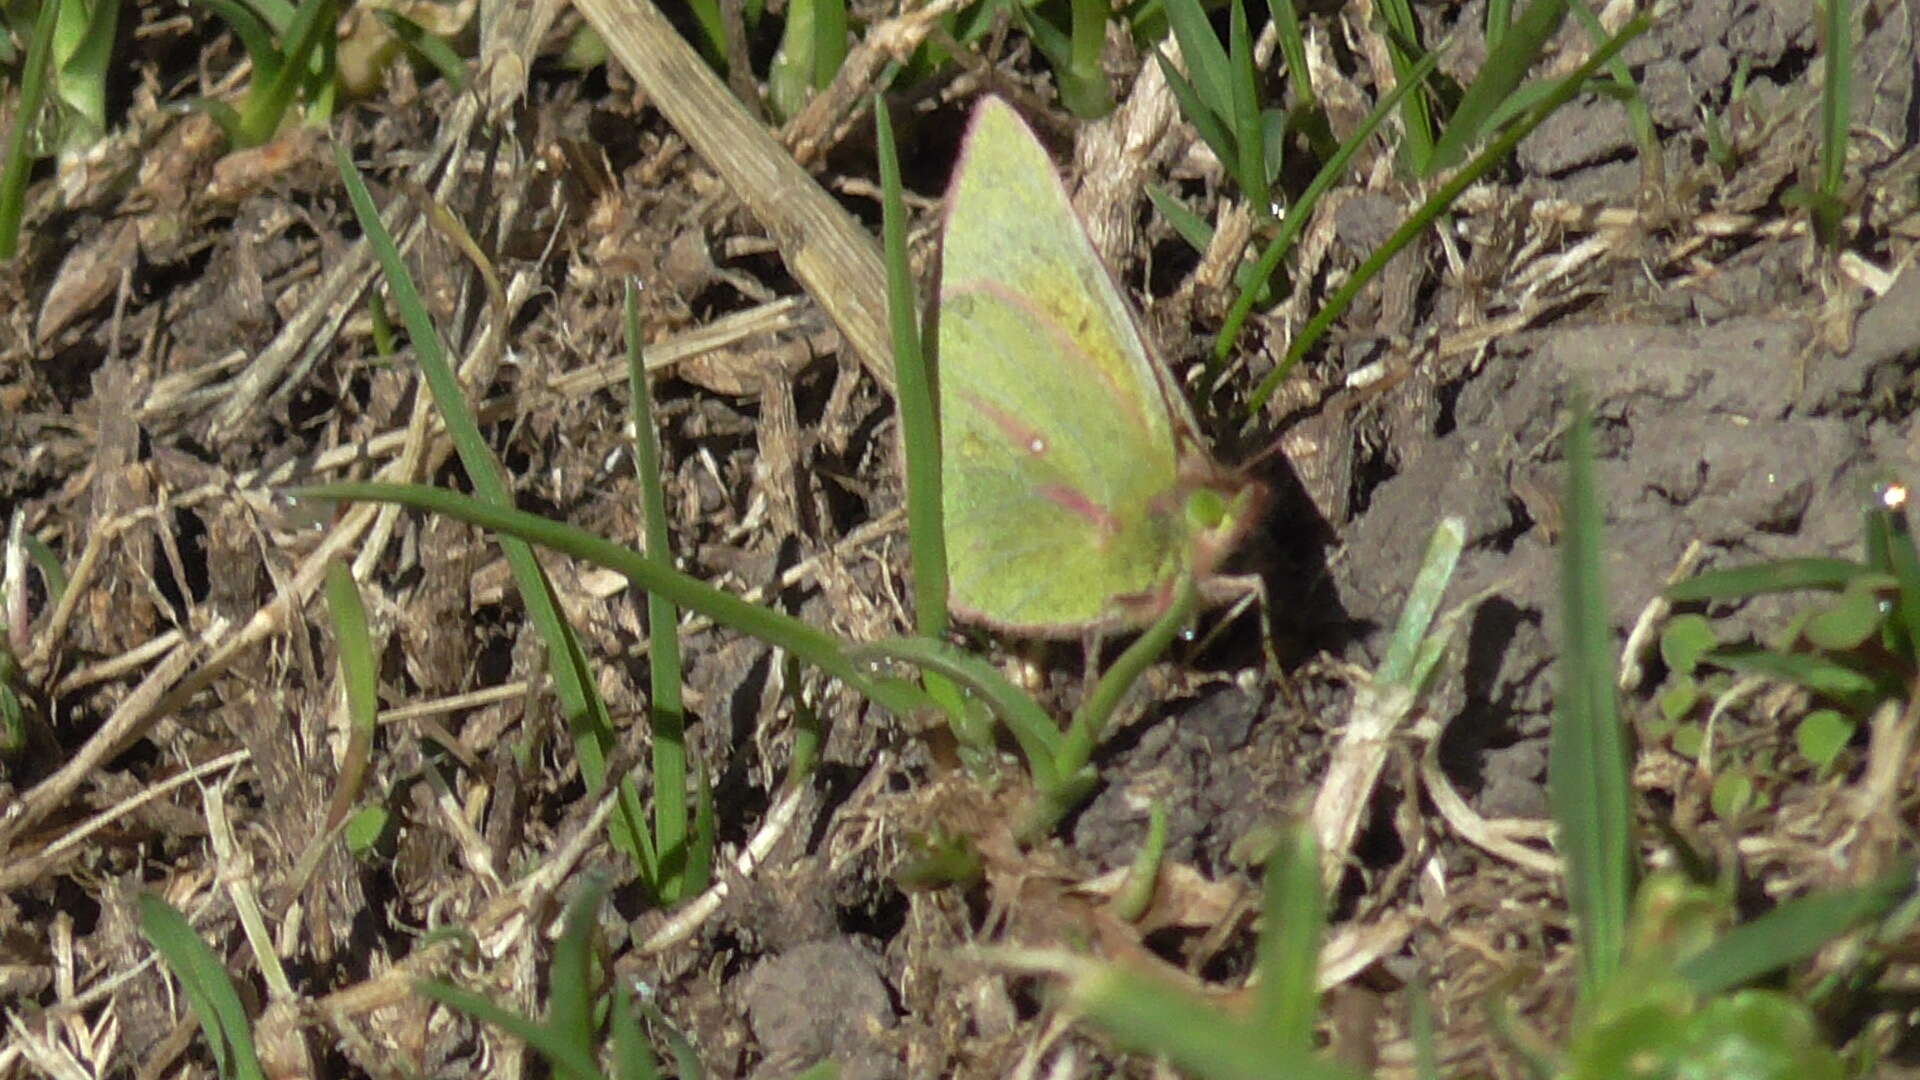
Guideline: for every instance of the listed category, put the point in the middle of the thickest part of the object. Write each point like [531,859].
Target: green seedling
[673,858]
[20,155]
[292,50]
[209,989]
[677,861]
[1856,647]
[585,1024]
[1073,53]
[813,45]
[1493,108]
[1823,198]
[1275,1035]
[1665,986]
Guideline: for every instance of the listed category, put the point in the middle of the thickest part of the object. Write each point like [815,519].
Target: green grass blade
[1405,52]
[1896,545]
[1784,575]
[1293,48]
[1645,137]
[207,985]
[919,420]
[579,697]
[359,672]
[632,1057]
[1826,676]
[1435,205]
[1206,123]
[1032,728]
[33,93]
[567,1059]
[1792,932]
[48,563]
[667,709]
[1301,212]
[1587,782]
[1249,127]
[1090,720]
[255,35]
[428,47]
[1150,1015]
[1207,63]
[1191,226]
[267,102]
[1496,81]
[686,1059]
[782,631]
[1401,666]
[570,979]
[700,844]
[1287,1000]
[1836,112]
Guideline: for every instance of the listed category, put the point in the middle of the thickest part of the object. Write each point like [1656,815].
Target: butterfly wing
[1058,440]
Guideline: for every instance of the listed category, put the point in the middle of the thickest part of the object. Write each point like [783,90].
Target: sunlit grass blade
[1405,52]
[1784,575]
[208,987]
[815,647]
[1249,129]
[1301,212]
[632,1057]
[1032,728]
[1287,1001]
[914,396]
[267,103]
[1793,932]
[428,47]
[1090,720]
[568,1059]
[1293,48]
[570,979]
[1209,70]
[1435,205]
[359,673]
[668,736]
[1846,686]
[1587,782]
[580,701]
[1646,138]
[1152,1015]
[1497,80]
[33,93]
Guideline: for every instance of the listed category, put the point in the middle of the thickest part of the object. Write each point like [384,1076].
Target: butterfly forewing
[1058,438]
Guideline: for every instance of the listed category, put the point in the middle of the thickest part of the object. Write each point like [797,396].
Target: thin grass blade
[1587,781]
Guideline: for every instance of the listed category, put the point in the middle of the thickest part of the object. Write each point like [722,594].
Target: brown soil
[186,333]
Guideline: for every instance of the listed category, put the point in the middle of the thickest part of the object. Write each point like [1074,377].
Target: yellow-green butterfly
[1077,490]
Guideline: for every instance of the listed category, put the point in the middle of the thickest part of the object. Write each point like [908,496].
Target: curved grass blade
[815,647]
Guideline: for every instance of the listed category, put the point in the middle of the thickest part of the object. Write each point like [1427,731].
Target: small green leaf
[1687,740]
[1732,794]
[1684,640]
[368,831]
[1847,622]
[1822,734]
[1677,701]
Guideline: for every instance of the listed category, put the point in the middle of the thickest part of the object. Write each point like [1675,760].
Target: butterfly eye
[1206,508]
